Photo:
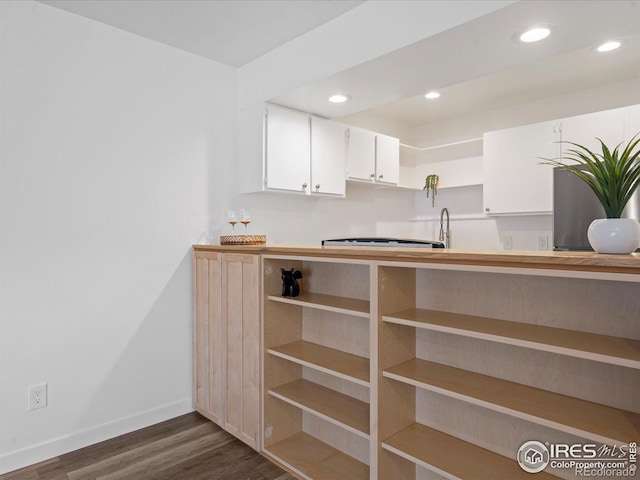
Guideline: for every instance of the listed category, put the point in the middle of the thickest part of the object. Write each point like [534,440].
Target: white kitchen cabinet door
[288,150]
[631,122]
[584,130]
[387,159]
[328,156]
[361,155]
[514,180]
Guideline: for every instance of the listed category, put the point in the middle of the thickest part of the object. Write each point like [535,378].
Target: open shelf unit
[472,364]
[317,369]
[413,371]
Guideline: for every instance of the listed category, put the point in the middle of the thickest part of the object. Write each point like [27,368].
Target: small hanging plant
[431,185]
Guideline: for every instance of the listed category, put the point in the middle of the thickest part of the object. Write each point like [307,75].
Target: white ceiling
[477,66]
[233,32]
[481,66]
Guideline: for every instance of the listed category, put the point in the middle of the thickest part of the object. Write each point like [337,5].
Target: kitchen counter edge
[575,261]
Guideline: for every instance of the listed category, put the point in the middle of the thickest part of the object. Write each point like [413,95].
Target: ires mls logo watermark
[533,456]
[584,459]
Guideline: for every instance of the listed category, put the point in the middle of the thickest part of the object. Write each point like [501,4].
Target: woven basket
[243,239]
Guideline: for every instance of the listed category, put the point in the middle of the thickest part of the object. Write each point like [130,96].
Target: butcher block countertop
[571,261]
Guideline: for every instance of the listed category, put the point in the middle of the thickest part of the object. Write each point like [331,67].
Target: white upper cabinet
[387,159]
[288,150]
[328,156]
[373,157]
[584,130]
[631,122]
[514,180]
[361,156]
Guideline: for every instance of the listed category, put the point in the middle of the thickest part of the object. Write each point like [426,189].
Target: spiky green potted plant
[613,176]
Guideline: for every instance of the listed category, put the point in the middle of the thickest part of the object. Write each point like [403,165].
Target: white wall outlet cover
[38,396]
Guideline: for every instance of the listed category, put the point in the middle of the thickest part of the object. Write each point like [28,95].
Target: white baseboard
[73,441]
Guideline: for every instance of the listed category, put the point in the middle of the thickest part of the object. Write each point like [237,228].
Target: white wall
[109,144]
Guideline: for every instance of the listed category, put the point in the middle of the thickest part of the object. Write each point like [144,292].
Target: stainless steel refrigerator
[575,206]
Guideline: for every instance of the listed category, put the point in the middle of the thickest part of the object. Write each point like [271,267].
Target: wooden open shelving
[614,350]
[331,303]
[579,417]
[327,360]
[316,460]
[453,458]
[359,389]
[347,412]
[317,377]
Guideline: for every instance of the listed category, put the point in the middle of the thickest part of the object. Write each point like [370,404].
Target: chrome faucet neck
[444,235]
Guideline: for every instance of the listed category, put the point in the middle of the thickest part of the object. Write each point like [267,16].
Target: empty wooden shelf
[579,417]
[317,460]
[327,360]
[348,412]
[452,457]
[617,351]
[332,303]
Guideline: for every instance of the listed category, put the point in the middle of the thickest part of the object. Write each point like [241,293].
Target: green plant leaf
[612,175]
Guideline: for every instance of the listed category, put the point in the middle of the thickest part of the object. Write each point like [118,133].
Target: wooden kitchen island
[399,363]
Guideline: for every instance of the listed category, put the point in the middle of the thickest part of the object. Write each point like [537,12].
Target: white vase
[614,235]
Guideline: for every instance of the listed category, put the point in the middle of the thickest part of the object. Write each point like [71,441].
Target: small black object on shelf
[290,285]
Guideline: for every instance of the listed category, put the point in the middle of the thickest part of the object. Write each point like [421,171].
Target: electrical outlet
[508,242]
[37,396]
[543,242]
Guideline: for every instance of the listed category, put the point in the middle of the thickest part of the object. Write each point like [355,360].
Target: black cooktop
[382,242]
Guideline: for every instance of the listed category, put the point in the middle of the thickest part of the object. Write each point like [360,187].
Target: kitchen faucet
[444,236]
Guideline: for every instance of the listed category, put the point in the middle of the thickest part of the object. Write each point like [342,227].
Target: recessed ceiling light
[339,98]
[432,95]
[535,34]
[608,46]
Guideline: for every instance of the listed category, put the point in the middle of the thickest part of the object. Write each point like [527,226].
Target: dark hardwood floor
[189,447]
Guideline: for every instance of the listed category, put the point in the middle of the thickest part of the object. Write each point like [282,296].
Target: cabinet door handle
[487,209]
[381,177]
[304,186]
[317,186]
[373,175]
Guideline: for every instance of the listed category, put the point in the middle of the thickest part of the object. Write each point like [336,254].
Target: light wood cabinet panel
[208,345]
[242,346]
[227,342]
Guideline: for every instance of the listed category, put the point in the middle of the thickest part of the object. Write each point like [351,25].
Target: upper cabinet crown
[373,157]
[287,150]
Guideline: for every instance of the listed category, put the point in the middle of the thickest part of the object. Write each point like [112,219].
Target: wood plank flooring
[188,447]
